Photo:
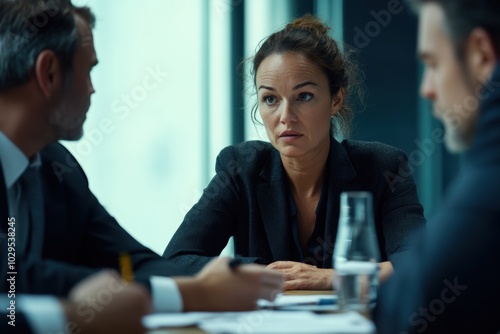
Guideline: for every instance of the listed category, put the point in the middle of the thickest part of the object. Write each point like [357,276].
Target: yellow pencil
[126,267]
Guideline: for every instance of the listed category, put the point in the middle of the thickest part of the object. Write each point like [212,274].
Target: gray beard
[67,127]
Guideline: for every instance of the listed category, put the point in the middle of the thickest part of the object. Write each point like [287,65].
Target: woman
[280,200]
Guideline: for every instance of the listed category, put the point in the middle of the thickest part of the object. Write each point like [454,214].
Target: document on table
[164,320]
[287,322]
[264,321]
[301,302]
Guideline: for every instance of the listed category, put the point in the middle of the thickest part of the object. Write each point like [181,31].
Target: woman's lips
[288,136]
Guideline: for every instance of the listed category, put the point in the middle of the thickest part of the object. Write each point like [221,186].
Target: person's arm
[50,277]
[216,288]
[449,283]
[401,214]
[81,236]
[220,288]
[35,276]
[210,223]
[101,242]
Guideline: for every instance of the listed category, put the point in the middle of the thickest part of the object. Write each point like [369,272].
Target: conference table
[196,330]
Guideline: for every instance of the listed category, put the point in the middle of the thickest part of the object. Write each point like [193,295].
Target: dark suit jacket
[247,199]
[22,326]
[450,283]
[80,237]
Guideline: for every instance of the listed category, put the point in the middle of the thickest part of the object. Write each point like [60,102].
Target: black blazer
[450,281]
[22,325]
[80,237]
[247,200]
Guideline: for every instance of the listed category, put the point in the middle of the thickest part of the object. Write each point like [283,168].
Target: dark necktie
[32,195]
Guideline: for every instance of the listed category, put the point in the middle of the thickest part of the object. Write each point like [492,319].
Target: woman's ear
[48,73]
[337,101]
[481,54]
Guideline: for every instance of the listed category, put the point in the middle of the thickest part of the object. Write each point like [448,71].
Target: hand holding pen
[232,285]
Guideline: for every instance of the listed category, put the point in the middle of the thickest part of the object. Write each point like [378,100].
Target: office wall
[145,134]
[169,98]
[384,33]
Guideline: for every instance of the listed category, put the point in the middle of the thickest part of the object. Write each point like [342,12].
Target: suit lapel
[55,210]
[4,207]
[341,174]
[271,197]
[272,202]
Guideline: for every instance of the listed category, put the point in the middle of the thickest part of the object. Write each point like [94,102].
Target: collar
[484,148]
[13,161]
[274,171]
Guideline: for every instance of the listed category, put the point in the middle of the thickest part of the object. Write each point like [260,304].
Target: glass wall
[157,117]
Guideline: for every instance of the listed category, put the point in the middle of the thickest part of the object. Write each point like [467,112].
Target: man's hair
[28,27]
[462,16]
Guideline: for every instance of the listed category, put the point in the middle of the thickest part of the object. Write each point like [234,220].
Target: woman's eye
[305,97]
[269,99]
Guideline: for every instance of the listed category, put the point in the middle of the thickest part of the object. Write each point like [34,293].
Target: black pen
[235,263]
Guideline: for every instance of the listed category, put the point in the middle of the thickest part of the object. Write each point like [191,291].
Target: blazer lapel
[272,202]
[4,207]
[341,174]
[55,231]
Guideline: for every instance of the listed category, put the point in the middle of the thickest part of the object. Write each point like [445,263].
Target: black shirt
[315,248]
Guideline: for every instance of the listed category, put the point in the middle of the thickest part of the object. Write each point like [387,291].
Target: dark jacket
[247,199]
[449,283]
[80,237]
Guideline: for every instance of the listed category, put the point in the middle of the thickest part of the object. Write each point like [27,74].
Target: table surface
[196,330]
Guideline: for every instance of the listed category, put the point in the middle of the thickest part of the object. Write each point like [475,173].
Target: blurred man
[125,305]
[450,284]
[51,222]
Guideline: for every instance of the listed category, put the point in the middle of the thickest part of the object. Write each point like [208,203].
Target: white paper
[166,320]
[267,321]
[282,300]
[283,322]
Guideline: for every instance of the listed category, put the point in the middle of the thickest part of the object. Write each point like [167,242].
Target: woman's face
[295,104]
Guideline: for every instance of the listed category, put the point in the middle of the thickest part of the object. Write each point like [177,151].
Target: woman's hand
[301,276]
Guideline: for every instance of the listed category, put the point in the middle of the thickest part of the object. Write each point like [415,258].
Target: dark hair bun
[311,24]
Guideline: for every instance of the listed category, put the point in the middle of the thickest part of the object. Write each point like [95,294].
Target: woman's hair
[309,36]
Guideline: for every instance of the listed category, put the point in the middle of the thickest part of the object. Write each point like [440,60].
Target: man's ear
[48,73]
[481,54]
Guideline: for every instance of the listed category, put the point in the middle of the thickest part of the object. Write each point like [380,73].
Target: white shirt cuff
[44,313]
[165,294]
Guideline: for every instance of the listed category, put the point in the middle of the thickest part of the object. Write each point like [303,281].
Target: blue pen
[327,301]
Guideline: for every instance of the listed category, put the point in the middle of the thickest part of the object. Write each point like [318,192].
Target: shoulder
[250,154]
[59,161]
[373,153]
[56,152]
[249,160]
